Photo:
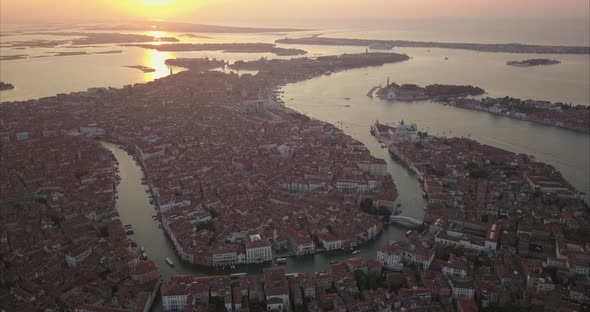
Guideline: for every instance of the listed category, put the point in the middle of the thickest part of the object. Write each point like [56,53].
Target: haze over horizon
[283,13]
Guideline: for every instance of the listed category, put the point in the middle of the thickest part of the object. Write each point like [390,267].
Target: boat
[142,249]
[355,252]
[170,263]
[236,275]
[380,46]
[144,255]
[281,260]
[333,261]
[409,232]
[127,226]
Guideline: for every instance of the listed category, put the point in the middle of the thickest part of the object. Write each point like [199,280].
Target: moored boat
[170,263]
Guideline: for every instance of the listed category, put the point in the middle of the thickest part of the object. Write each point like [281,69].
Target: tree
[367,205]
[213,213]
[447,251]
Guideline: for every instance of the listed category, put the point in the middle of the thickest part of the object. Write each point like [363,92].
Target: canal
[134,207]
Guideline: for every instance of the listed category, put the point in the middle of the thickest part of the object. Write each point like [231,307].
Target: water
[323,98]
[39,77]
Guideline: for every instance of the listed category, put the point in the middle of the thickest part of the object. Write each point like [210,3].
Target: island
[112,38]
[144,69]
[13,57]
[481,47]
[5,86]
[412,92]
[35,43]
[186,27]
[567,116]
[85,39]
[196,65]
[69,53]
[533,62]
[225,47]
[210,122]
[195,36]
[305,68]
[109,52]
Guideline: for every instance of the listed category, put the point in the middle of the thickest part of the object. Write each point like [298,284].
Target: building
[77,255]
[225,255]
[145,271]
[276,290]
[456,267]
[462,288]
[377,167]
[301,244]
[257,249]
[395,254]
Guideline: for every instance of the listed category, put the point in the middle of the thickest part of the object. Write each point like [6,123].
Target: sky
[261,12]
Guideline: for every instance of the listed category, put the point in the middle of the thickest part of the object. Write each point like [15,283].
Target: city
[241,183]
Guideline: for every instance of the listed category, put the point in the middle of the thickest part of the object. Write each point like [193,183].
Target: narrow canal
[134,207]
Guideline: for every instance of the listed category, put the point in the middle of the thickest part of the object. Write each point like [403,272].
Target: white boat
[356,252]
[380,46]
[170,263]
[281,260]
[408,232]
[236,275]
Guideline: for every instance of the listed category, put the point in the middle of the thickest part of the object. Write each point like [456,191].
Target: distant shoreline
[225,47]
[144,69]
[480,47]
[533,62]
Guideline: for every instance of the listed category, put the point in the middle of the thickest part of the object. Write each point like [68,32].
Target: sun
[155,9]
[155,2]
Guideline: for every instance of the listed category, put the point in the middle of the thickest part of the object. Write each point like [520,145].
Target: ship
[170,263]
[356,252]
[380,46]
[281,260]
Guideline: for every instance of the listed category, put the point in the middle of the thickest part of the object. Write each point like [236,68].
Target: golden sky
[259,11]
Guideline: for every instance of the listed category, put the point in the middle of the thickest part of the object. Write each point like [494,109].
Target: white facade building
[174,303]
[257,250]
